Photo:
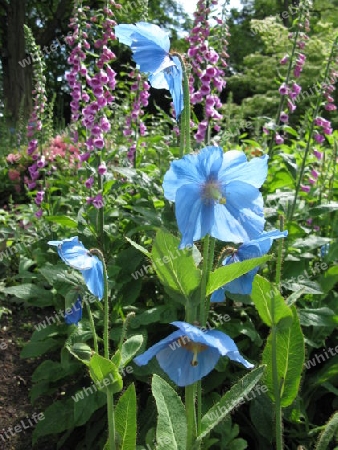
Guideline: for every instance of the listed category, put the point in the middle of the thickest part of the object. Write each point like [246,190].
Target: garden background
[101,126]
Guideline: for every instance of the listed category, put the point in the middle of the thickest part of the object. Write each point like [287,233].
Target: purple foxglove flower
[305,188]
[278,139]
[319,138]
[89,183]
[318,154]
[98,201]
[284,117]
[284,89]
[102,169]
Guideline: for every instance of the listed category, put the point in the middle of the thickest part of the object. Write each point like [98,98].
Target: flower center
[194,347]
[212,192]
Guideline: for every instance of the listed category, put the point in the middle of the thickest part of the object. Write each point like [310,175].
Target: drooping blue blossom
[75,255]
[75,315]
[189,354]
[217,193]
[150,46]
[248,250]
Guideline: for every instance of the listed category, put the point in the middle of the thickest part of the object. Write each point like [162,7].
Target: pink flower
[318,154]
[98,201]
[12,158]
[284,89]
[13,175]
[284,117]
[89,182]
[284,60]
[278,139]
[319,138]
[102,169]
[305,188]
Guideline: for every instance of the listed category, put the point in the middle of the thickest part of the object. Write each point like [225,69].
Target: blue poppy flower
[217,193]
[190,353]
[252,249]
[75,255]
[150,46]
[75,315]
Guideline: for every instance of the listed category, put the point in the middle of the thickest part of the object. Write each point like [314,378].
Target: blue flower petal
[253,172]
[194,218]
[143,359]
[177,364]
[158,81]
[174,78]
[227,347]
[94,279]
[218,296]
[76,315]
[150,31]
[149,56]
[237,223]
[248,250]
[175,354]
[74,253]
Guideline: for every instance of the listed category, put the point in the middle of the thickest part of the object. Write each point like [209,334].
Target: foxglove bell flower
[75,315]
[150,46]
[189,354]
[75,255]
[218,194]
[252,249]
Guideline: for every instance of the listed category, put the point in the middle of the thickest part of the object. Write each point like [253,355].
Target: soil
[15,382]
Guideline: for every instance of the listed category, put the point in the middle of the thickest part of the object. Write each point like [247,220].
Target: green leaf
[83,410]
[66,221]
[233,398]
[138,247]
[318,317]
[290,359]
[175,268]
[104,373]
[42,297]
[53,371]
[129,348]
[269,303]
[58,417]
[225,274]
[125,419]
[171,429]
[329,431]
[81,351]
[323,209]
[34,349]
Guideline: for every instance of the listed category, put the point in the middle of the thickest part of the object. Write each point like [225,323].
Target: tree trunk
[17,80]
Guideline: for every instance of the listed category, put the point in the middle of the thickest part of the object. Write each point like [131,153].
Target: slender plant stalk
[111,420]
[101,210]
[276,387]
[92,327]
[275,377]
[288,74]
[185,119]
[309,140]
[190,393]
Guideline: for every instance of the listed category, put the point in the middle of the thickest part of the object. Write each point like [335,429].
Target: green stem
[276,388]
[309,140]
[282,99]
[205,273]
[280,254]
[101,210]
[92,327]
[97,252]
[111,421]
[185,119]
[191,415]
